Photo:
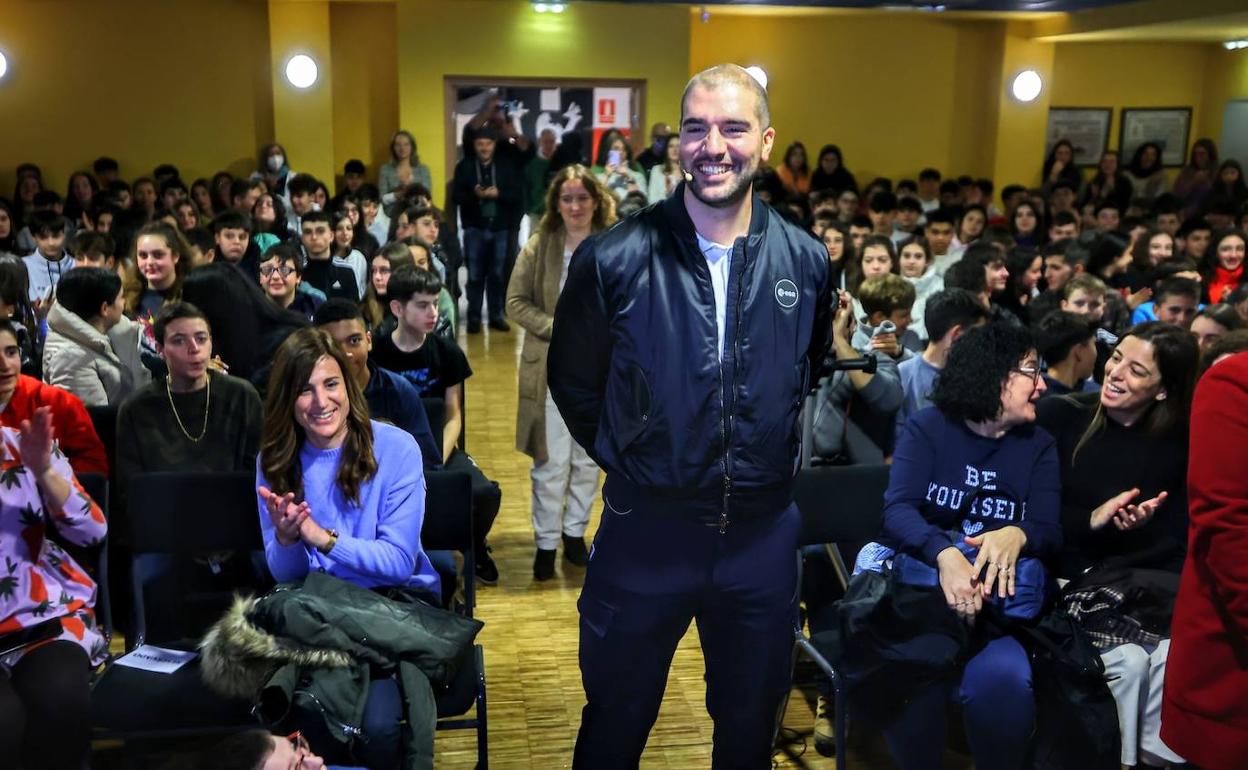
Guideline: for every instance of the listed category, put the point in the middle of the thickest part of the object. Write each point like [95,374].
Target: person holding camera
[486,192]
[837,437]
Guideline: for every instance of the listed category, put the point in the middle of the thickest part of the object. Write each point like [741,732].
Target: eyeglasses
[1028,371]
[284,271]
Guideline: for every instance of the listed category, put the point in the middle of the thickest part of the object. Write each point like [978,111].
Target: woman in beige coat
[564,478]
[92,349]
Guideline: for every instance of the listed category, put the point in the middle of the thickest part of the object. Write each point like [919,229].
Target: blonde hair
[604,210]
[1086,283]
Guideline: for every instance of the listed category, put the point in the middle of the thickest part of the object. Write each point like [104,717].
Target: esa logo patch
[786,293]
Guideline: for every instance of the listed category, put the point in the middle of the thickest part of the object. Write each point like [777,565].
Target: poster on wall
[1086,128]
[584,112]
[1166,126]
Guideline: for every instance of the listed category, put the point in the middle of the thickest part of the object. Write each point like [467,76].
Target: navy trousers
[998,707]
[653,569]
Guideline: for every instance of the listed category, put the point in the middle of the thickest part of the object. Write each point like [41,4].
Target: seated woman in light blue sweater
[344,495]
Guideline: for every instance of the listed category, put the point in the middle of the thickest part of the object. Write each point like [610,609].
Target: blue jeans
[653,569]
[998,708]
[485,251]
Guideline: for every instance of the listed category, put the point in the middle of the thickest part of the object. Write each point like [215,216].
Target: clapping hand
[35,441]
[1124,514]
[287,516]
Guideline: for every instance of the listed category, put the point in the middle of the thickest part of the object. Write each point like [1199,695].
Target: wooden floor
[530,634]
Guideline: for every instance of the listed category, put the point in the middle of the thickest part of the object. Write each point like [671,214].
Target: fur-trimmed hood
[238,658]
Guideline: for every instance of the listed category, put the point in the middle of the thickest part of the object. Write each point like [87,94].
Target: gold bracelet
[333,541]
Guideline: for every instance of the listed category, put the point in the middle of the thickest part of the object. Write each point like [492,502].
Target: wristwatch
[333,541]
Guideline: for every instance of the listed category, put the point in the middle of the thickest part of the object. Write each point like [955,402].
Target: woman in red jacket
[1205,710]
[21,395]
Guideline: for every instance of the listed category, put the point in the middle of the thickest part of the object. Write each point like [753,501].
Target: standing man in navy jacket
[684,341]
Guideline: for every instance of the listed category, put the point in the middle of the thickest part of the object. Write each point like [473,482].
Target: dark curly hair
[969,387]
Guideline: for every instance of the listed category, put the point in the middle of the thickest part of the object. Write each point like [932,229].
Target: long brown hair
[374,309]
[604,212]
[283,438]
[134,283]
[1177,357]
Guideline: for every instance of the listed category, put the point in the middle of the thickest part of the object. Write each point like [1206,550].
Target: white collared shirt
[717,261]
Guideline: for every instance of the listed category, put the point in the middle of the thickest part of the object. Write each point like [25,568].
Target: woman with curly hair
[564,477]
[338,493]
[974,472]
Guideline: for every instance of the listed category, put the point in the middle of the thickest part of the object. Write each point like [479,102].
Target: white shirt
[717,259]
[567,260]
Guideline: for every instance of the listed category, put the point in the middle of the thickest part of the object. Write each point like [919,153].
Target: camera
[508,107]
[887,327]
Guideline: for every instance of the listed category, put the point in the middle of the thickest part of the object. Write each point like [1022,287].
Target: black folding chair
[104,420]
[448,527]
[838,504]
[435,410]
[180,522]
[96,559]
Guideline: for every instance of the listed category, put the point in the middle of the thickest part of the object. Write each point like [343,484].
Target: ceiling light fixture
[4,65]
[758,74]
[550,7]
[301,71]
[1235,45]
[1026,86]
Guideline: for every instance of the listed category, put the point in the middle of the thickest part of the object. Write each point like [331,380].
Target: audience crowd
[1056,332]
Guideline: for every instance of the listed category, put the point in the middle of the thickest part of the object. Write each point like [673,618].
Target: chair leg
[842,722]
[483,730]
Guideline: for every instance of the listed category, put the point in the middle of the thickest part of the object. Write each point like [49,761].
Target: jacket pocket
[631,403]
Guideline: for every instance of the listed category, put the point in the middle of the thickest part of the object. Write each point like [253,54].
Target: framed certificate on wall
[1086,128]
[1168,127]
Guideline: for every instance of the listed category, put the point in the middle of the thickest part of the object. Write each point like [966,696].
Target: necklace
[181,427]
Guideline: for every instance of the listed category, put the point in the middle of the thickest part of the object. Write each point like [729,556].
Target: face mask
[660,145]
[276,162]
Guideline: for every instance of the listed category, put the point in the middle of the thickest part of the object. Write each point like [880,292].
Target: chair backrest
[193,513]
[840,503]
[95,560]
[195,541]
[448,522]
[104,419]
[435,410]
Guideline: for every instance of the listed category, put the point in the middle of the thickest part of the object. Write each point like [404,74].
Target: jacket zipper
[730,410]
[350,730]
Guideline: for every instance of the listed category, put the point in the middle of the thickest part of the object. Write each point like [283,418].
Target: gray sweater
[882,396]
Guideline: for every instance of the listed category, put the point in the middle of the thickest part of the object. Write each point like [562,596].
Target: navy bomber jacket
[636,374]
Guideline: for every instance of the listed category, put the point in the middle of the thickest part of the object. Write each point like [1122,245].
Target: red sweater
[1222,282]
[72,426]
[1205,708]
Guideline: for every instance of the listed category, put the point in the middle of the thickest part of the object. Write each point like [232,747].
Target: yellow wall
[198,84]
[895,92]
[145,81]
[1121,75]
[364,48]
[507,38]
[1019,129]
[303,118]
[1226,78]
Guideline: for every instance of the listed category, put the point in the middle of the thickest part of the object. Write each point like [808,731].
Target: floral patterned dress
[39,581]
